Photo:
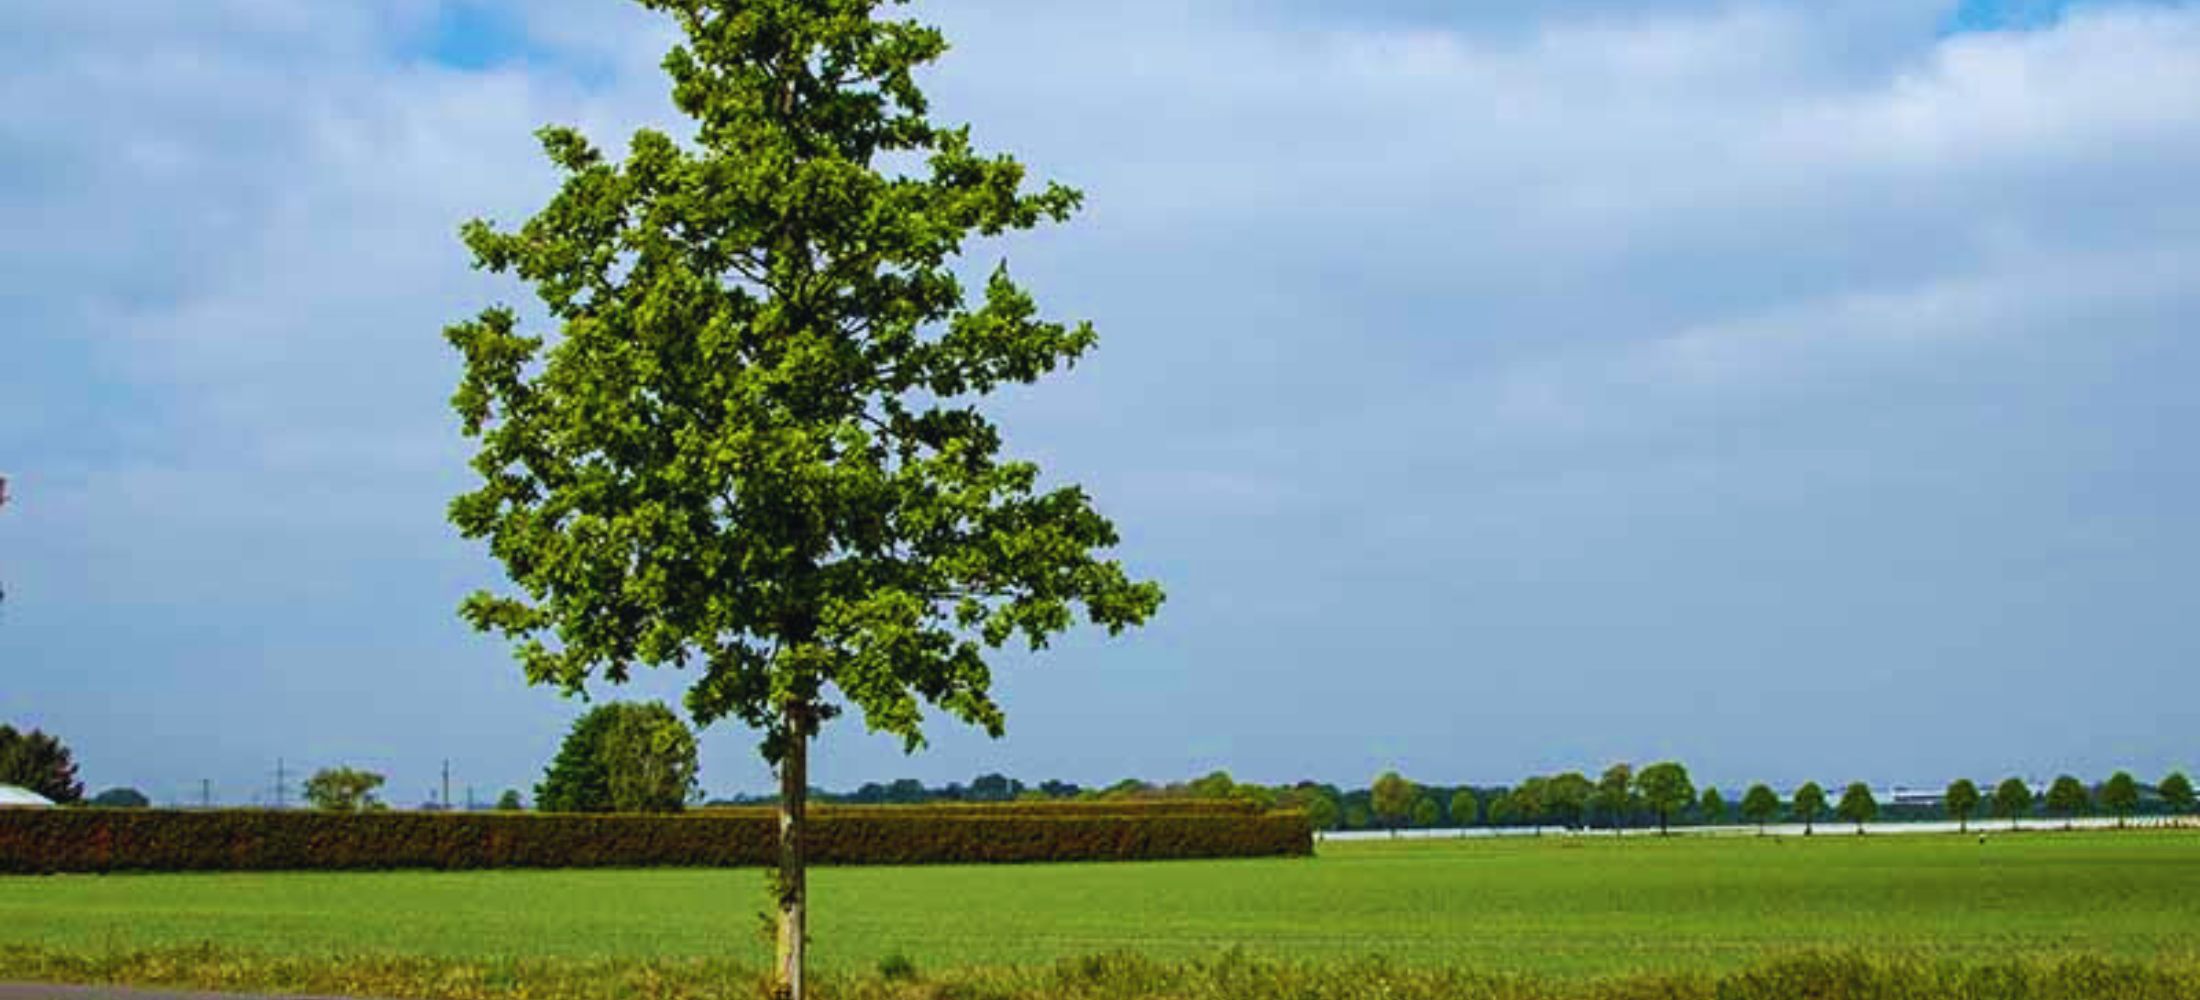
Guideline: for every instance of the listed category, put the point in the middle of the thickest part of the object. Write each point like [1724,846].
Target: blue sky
[1800,390]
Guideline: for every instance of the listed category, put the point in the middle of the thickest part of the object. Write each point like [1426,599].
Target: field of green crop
[1549,907]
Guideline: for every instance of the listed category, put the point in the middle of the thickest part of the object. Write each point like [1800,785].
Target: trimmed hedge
[70,840]
[1052,807]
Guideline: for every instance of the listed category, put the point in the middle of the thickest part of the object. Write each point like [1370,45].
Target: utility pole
[446,785]
[281,788]
[206,793]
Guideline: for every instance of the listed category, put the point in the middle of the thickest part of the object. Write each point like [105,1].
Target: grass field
[1549,907]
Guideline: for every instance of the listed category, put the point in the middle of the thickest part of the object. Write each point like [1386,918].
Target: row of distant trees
[640,757]
[1664,794]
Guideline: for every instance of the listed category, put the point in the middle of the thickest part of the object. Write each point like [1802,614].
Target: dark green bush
[163,840]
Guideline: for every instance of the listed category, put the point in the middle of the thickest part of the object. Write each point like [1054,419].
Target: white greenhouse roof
[13,796]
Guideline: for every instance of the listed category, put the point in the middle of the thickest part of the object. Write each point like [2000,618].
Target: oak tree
[751,442]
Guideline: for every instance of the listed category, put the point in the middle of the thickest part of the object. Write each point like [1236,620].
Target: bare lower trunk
[794,787]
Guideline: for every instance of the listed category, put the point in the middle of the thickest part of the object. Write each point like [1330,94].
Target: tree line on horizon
[640,757]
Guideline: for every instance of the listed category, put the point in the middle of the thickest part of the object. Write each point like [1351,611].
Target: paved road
[46,991]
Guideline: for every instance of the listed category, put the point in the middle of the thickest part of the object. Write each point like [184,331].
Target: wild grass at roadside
[1116,976]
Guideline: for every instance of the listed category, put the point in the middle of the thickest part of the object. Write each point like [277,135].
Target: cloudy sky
[1795,389]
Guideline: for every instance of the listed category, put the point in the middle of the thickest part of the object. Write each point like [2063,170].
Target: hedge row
[70,840]
[1051,807]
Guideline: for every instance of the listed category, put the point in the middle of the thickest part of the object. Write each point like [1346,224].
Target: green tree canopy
[2012,799]
[1322,812]
[1566,798]
[1531,802]
[1810,800]
[1760,805]
[1425,812]
[39,762]
[753,444]
[1466,810]
[1503,810]
[2176,792]
[343,789]
[649,760]
[621,756]
[121,798]
[1391,797]
[2120,796]
[1857,805]
[1713,807]
[1665,786]
[510,801]
[1962,801]
[2067,797]
[1615,795]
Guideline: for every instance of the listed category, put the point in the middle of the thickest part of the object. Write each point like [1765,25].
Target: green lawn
[1554,906]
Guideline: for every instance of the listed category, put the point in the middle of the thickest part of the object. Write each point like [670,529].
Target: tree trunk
[794,791]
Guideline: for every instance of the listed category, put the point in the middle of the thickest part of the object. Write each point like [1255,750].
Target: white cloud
[1483,277]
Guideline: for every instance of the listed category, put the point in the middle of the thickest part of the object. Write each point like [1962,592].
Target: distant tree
[2177,792]
[1962,801]
[2120,796]
[1466,810]
[1615,795]
[649,760]
[622,756]
[1128,788]
[1532,802]
[1357,817]
[1665,786]
[1391,798]
[1713,807]
[2066,798]
[1566,799]
[1857,805]
[39,762]
[1503,810]
[1001,788]
[2012,799]
[343,789]
[1810,800]
[1322,812]
[509,801]
[1425,812]
[121,798]
[577,780]
[1760,805]
[1213,785]
[1059,789]
[1257,794]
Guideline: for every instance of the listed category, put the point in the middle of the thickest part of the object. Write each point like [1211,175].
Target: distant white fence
[1824,828]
